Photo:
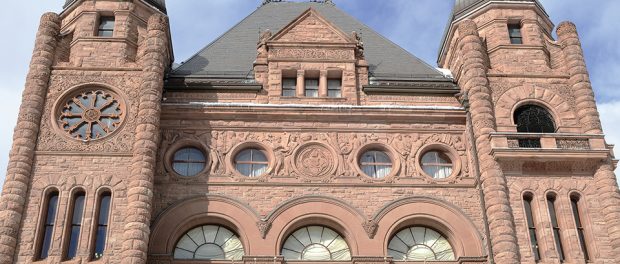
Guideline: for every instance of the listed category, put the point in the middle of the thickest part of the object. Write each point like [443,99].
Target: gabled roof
[159,4]
[232,54]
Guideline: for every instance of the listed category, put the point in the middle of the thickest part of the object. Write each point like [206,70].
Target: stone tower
[86,135]
[508,65]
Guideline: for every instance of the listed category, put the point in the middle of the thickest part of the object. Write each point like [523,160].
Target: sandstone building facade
[303,136]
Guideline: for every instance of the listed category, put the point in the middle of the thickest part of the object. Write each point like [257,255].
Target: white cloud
[610,116]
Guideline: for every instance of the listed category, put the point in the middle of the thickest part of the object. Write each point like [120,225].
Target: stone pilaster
[473,80]
[140,184]
[579,78]
[15,191]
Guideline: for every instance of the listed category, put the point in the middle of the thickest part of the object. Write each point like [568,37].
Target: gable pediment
[311,27]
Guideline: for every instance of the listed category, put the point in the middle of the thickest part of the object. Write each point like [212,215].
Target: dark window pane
[514,32]
[78,210]
[533,119]
[312,87]
[527,202]
[73,243]
[334,87]
[102,227]
[289,87]
[48,228]
[556,227]
[104,209]
[100,242]
[106,27]
[76,222]
[579,226]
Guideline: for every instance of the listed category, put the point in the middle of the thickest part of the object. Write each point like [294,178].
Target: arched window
[209,242]
[533,119]
[74,225]
[529,216]
[251,162]
[420,244]
[376,164]
[49,217]
[575,200]
[557,237]
[317,243]
[101,231]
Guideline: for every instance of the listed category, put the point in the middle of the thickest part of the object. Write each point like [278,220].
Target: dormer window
[289,87]
[312,87]
[514,32]
[106,26]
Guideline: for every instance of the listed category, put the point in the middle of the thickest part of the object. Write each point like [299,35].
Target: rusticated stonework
[328,140]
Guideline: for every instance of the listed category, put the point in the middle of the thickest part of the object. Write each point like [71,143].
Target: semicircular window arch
[420,244]
[534,119]
[316,243]
[209,242]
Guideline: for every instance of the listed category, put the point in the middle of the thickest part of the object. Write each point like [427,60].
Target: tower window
[312,87]
[557,237]
[533,119]
[48,225]
[527,203]
[514,31]
[574,199]
[106,26]
[334,88]
[103,215]
[77,212]
[289,87]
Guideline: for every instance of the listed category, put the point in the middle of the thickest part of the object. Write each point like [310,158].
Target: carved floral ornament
[90,113]
[318,157]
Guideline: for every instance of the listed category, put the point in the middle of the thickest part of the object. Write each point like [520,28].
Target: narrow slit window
[77,213]
[514,31]
[101,231]
[106,26]
[556,227]
[579,225]
[312,87]
[527,203]
[48,225]
[289,87]
[334,88]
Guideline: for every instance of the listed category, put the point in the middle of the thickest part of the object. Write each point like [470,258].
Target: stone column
[579,78]
[609,197]
[301,83]
[19,173]
[323,83]
[473,80]
[140,183]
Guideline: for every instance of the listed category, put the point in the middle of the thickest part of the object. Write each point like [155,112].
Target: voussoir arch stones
[515,97]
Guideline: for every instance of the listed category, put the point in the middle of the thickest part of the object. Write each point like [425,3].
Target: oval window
[376,164]
[437,164]
[251,162]
[189,161]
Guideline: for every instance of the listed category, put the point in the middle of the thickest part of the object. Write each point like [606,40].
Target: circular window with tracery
[91,114]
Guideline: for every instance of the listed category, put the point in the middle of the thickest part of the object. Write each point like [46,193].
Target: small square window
[289,87]
[514,31]
[334,88]
[106,27]
[312,88]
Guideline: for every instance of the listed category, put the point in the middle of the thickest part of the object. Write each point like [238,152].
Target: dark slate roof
[159,4]
[232,54]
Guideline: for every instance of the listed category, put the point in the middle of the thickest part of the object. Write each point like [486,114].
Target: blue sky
[416,25]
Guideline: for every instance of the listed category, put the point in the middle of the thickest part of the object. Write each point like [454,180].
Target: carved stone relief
[315,161]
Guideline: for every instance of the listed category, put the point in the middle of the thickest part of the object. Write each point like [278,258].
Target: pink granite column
[474,81]
[15,190]
[140,184]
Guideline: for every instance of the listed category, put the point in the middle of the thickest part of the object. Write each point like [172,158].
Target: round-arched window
[188,161]
[376,164]
[420,244]
[437,164]
[251,162]
[533,119]
[317,243]
[91,114]
[209,242]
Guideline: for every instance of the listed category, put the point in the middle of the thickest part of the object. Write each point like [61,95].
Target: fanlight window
[437,164]
[91,115]
[251,162]
[209,242]
[376,164]
[420,244]
[316,243]
[189,162]
[533,119]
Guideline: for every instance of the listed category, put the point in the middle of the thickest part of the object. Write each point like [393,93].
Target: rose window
[91,115]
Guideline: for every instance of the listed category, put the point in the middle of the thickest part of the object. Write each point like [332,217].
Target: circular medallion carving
[90,114]
[315,161]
